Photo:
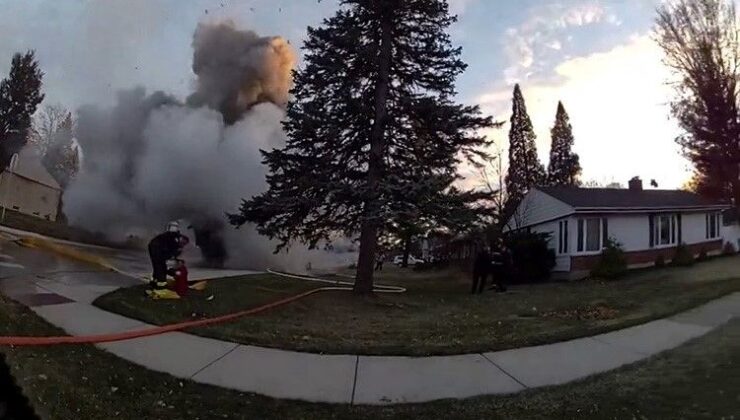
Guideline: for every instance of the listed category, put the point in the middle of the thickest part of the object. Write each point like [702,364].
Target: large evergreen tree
[20,94]
[564,167]
[701,42]
[371,122]
[525,169]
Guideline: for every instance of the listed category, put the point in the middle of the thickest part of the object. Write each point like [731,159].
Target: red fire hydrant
[180,273]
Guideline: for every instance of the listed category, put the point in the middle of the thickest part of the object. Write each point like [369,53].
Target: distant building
[647,223]
[29,188]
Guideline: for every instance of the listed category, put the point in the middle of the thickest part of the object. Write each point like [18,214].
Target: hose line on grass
[147,332]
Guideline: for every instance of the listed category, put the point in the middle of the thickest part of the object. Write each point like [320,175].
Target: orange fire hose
[128,335]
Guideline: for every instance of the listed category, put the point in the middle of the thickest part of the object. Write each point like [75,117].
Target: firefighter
[481,270]
[163,247]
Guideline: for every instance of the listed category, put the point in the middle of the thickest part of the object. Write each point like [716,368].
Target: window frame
[582,236]
[715,233]
[673,230]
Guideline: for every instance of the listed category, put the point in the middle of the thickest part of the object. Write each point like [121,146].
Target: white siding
[694,228]
[25,196]
[731,234]
[537,207]
[562,262]
[632,231]
[550,228]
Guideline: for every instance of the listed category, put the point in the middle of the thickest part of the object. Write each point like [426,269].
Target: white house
[731,227]
[647,223]
[29,188]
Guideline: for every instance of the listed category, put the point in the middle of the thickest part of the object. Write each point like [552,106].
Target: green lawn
[698,380]
[436,315]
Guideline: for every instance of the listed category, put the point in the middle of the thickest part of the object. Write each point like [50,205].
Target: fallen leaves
[599,312]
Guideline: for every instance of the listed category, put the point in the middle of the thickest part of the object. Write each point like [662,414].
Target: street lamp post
[11,167]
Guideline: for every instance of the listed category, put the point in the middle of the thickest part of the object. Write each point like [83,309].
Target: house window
[712,225]
[665,230]
[563,237]
[591,234]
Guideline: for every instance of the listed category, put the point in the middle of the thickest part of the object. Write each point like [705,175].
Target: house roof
[29,166]
[625,199]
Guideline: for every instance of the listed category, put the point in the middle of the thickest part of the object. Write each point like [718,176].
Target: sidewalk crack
[354,383]
[214,361]
[504,371]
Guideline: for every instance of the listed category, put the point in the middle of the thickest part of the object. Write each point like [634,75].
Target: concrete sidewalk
[362,379]
[62,292]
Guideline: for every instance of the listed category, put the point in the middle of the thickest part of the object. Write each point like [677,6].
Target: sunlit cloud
[618,104]
[544,30]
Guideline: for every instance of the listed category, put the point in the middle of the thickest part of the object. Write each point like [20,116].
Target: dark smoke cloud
[237,69]
[151,158]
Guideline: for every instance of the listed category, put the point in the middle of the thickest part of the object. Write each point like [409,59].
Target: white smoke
[150,158]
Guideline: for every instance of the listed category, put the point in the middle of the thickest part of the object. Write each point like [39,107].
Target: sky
[597,56]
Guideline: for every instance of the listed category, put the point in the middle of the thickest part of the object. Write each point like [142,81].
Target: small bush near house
[660,261]
[532,260]
[702,255]
[683,257]
[613,263]
[729,249]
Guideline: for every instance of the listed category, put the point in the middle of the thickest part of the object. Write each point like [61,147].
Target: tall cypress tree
[20,94]
[525,169]
[371,125]
[564,167]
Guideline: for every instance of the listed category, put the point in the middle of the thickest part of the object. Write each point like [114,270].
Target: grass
[698,380]
[59,230]
[437,315]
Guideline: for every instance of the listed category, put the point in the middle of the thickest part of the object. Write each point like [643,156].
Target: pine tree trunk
[371,222]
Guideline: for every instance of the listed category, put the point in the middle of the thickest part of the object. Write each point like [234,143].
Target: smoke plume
[152,158]
[237,69]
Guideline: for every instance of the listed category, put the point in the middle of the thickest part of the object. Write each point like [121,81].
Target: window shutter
[565,238]
[580,235]
[604,232]
[560,237]
[651,222]
[680,228]
[706,219]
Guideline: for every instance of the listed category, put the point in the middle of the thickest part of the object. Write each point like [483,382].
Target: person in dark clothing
[481,269]
[379,262]
[163,247]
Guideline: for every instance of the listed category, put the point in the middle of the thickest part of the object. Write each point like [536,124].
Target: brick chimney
[635,184]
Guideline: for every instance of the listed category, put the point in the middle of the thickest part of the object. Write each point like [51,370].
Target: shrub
[613,263]
[729,249]
[531,259]
[702,255]
[683,257]
[660,261]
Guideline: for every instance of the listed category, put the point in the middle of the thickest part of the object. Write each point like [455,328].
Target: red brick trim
[648,256]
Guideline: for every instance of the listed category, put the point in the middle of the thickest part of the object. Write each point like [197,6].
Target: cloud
[458,7]
[580,15]
[618,104]
[542,31]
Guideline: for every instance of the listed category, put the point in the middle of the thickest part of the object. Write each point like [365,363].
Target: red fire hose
[128,335]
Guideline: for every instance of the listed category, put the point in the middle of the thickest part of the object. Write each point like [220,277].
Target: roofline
[614,210]
[35,181]
[650,209]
